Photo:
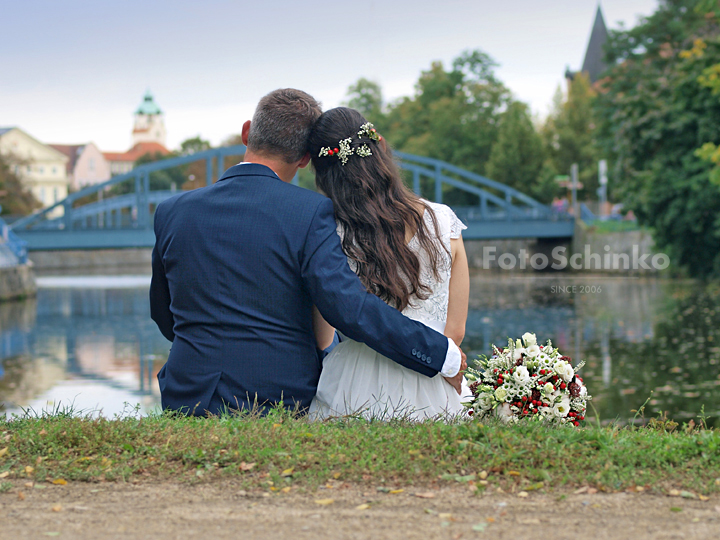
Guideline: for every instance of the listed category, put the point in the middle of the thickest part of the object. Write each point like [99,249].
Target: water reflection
[91,341]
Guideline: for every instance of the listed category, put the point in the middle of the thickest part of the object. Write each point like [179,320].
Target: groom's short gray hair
[282,123]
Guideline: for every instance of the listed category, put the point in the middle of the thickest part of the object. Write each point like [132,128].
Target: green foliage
[193,146]
[453,115]
[656,111]
[14,197]
[569,134]
[366,96]
[517,156]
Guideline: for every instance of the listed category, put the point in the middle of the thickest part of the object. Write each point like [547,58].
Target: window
[41,170]
[55,195]
[91,164]
[42,195]
[54,170]
[29,168]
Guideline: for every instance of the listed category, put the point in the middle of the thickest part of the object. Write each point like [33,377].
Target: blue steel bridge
[95,218]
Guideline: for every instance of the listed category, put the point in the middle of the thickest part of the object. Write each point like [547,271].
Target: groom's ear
[245,132]
[304,161]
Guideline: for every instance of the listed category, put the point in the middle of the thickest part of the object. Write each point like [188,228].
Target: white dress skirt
[357,381]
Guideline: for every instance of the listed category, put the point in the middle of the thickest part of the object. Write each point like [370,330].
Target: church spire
[594,63]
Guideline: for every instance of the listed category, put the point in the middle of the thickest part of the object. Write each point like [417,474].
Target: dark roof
[72,151]
[594,63]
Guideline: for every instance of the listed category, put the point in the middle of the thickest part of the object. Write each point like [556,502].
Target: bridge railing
[134,210]
[122,211]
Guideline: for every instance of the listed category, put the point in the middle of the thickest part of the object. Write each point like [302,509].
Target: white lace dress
[356,380]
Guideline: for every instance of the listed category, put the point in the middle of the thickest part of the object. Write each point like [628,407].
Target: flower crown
[345,150]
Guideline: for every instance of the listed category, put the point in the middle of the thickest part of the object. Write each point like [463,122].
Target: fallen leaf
[534,487]
[675,509]
[383,489]
[581,490]
[29,470]
[57,508]
[430,511]
[513,473]
[3,451]
[275,426]
[28,484]
[246,466]
[362,507]
[483,475]
[703,498]
[274,489]
[426,495]
[523,494]
[491,520]
[21,496]
[60,482]
[324,502]
[396,491]
[4,474]
[445,516]
[592,491]
[674,493]
[639,489]
[52,533]
[286,489]
[42,432]
[480,527]
[288,472]
[39,486]
[688,495]
[717,509]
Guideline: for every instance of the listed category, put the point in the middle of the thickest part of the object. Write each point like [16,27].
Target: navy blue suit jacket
[237,267]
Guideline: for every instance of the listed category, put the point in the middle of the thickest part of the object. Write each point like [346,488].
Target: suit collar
[249,169]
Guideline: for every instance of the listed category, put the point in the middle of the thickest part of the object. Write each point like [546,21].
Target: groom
[237,267]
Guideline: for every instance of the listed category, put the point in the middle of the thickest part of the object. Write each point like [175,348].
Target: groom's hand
[457,380]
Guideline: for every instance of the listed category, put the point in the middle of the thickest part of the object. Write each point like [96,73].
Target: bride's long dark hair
[375,209]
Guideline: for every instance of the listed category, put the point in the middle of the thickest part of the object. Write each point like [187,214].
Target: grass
[281,450]
[614,226]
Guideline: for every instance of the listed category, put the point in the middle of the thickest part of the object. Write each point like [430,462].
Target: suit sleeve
[345,304]
[160,290]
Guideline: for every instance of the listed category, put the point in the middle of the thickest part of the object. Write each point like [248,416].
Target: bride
[406,250]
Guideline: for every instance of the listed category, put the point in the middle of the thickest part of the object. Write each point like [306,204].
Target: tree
[15,198]
[517,156]
[655,113]
[193,146]
[569,134]
[365,96]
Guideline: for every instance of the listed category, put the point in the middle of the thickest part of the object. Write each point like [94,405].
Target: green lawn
[279,450]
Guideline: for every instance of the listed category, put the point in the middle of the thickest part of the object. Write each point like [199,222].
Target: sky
[74,71]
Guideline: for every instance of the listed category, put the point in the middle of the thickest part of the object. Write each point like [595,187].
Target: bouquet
[527,380]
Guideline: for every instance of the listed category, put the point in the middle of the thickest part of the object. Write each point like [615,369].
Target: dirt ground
[222,510]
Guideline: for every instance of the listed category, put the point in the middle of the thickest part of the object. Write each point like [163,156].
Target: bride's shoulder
[448,221]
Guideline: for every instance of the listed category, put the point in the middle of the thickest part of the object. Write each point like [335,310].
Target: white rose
[562,408]
[532,350]
[565,370]
[548,388]
[500,394]
[529,339]
[521,375]
[484,401]
[504,413]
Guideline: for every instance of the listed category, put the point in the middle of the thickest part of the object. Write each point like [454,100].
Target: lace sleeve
[456,226]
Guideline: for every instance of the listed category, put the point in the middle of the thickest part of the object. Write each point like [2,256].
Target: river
[87,343]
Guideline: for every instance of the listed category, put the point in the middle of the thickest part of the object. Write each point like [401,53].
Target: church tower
[149,123]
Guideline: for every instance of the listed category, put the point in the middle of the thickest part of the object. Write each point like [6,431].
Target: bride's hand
[457,380]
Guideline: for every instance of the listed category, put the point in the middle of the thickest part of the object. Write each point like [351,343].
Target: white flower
[562,408]
[500,394]
[518,353]
[583,391]
[548,388]
[529,339]
[564,370]
[484,402]
[521,375]
[532,350]
[504,413]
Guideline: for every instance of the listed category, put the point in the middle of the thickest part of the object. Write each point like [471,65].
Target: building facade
[86,164]
[42,168]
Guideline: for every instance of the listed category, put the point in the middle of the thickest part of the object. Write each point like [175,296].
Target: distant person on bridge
[238,268]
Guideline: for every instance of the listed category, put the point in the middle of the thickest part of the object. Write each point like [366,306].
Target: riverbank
[283,454]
